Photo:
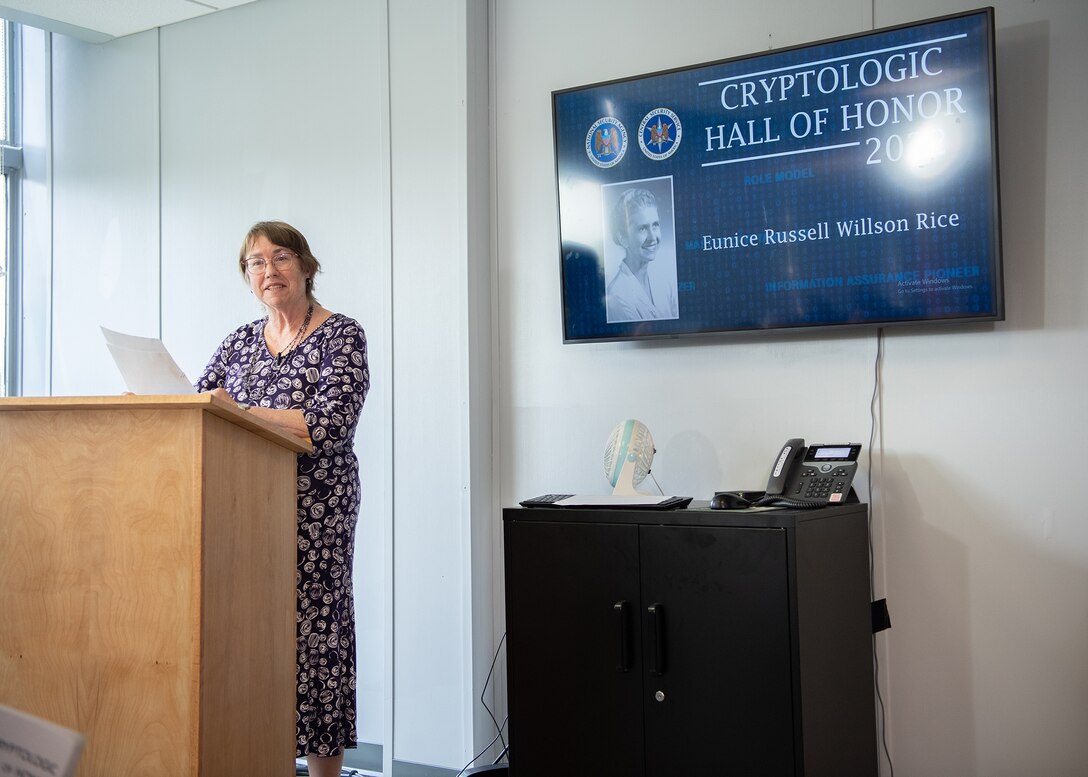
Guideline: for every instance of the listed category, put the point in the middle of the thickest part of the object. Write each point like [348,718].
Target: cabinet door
[716,642]
[572,654]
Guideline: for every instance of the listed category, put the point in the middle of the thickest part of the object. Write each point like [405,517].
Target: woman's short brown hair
[282,234]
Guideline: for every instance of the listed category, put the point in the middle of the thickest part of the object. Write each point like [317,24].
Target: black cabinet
[689,642]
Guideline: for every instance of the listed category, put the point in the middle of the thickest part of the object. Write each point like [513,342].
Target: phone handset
[784,466]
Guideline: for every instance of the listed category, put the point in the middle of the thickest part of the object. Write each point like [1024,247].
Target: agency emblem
[659,134]
[606,142]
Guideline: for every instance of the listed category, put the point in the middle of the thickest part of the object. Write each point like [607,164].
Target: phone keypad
[829,486]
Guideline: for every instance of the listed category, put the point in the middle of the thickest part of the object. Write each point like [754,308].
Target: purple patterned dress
[326,376]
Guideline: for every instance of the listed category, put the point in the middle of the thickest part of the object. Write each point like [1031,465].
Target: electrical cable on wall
[875,402]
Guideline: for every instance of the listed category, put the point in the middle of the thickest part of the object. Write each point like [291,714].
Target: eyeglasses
[280,260]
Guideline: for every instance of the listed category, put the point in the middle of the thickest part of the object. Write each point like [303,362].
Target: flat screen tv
[851,181]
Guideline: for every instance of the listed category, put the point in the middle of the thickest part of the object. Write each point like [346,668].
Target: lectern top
[202,402]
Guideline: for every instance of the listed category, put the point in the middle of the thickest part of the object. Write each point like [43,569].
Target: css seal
[606,142]
[659,134]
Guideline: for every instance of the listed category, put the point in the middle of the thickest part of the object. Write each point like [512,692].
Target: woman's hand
[222,394]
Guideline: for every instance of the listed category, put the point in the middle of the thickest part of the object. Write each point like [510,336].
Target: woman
[304,369]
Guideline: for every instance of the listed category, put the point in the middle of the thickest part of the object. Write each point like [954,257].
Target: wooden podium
[147,582]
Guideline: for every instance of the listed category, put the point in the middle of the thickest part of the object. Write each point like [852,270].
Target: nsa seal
[606,142]
[659,134]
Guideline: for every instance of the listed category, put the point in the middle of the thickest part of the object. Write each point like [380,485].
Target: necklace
[298,335]
[277,361]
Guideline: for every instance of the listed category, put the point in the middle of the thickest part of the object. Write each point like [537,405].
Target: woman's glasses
[258,264]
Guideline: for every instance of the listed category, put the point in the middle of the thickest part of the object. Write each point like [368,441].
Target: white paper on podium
[145,364]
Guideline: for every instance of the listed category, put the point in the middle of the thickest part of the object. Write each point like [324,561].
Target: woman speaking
[304,369]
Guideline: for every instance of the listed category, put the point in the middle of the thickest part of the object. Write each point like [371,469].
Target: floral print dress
[327,377]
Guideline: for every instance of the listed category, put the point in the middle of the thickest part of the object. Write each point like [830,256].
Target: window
[11,163]
[5,257]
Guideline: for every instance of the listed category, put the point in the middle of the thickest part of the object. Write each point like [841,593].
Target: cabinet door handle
[656,613]
[623,628]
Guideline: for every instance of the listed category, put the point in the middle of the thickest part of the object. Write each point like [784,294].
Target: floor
[347,771]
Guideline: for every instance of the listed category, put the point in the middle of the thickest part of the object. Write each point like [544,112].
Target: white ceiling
[100,20]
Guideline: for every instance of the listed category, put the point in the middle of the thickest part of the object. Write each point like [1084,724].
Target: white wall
[442,598]
[982,550]
[989,580]
[105,196]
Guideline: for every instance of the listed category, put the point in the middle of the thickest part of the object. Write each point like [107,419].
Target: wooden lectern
[147,582]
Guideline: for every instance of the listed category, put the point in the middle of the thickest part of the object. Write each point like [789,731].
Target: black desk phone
[802,476]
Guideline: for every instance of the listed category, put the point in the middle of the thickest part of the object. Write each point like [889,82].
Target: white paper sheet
[36,747]
[145,364]
[579,500]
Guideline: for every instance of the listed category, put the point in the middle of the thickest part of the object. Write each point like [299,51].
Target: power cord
[479,755]
[878,365]
[483,701]
[483,692]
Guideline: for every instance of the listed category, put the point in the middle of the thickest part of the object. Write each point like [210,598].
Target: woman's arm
[291,421]
[332,412]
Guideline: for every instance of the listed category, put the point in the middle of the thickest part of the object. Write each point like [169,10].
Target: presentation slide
[851,181]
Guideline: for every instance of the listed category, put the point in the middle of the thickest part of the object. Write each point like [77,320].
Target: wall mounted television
[851,181]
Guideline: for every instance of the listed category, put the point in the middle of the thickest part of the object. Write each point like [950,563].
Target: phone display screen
[838,452]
